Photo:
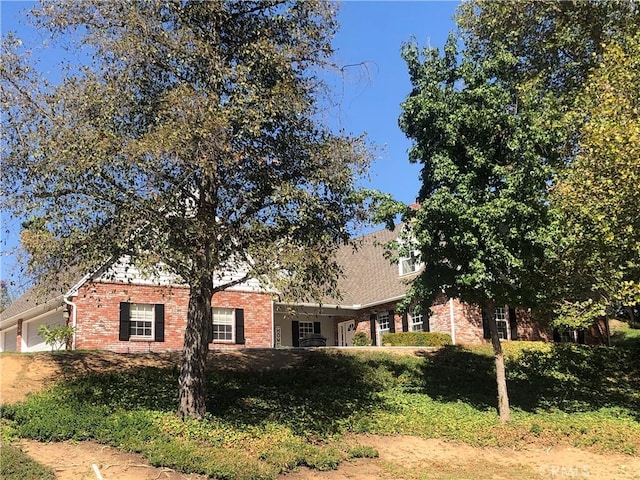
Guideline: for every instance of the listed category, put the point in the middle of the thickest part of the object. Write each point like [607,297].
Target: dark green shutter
[425,323]
[486,331]
[240,326]
[556,335]
[295,330]
[581,337]
[159,322]
[513,324]
[124,322]
[316,327]
[372,321]
[405,322]
[392,321]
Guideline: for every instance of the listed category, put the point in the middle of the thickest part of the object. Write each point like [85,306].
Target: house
[117,308]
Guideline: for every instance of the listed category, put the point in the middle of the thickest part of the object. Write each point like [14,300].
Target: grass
[264,423]
[16,465]
[623,335]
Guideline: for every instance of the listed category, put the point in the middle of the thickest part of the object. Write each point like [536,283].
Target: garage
[31,339]
[9,339]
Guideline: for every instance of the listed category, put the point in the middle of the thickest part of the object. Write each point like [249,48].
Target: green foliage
[418,339]
[5,298]
[16,465]
[363,451]
[57,337]
[191,143]
[269,422]
[597,197]
[624,335]
[558,43]
[361,339]
[481,225]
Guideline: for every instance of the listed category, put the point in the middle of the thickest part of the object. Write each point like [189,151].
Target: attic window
[407,265]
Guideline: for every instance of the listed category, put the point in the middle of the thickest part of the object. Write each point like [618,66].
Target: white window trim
[233,324]
[569,336]
[379,317]
[412,324]
[505,314]
[417,265]
[300,329]
[153,322]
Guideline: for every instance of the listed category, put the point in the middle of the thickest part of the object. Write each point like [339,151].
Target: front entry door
[346,330]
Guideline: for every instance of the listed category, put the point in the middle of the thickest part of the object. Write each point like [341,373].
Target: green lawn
[264,423]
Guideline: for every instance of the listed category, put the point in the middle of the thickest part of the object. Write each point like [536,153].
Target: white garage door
[9,340]
[33,342]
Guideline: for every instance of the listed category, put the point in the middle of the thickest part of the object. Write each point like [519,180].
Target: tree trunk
[191,383]
[501,377]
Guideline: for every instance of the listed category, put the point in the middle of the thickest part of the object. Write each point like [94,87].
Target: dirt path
[401,457]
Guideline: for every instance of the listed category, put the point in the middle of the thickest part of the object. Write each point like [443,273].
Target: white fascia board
[33,312]
[354,307]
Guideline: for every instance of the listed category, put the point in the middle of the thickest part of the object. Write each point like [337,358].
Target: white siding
[124,272]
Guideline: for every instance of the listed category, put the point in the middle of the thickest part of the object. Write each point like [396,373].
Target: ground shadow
[569,378]
[315,396]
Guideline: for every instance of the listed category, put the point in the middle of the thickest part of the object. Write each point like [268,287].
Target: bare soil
[401,457]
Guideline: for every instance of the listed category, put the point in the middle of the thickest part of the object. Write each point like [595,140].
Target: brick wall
[363,322]
[467,321]
[98,316]
[257,316]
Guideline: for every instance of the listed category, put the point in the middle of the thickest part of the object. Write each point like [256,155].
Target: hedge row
[416,339]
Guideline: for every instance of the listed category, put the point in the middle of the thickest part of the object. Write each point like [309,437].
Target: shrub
[360,339]
[416,339]
[56,337]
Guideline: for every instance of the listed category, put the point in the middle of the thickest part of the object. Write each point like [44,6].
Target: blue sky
[370,32]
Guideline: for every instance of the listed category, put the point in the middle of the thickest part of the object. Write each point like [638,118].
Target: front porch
[292,323]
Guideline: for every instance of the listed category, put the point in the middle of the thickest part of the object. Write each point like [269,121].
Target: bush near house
[361,339]
[416,339]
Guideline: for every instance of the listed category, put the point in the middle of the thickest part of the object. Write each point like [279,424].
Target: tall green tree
[482,219]
[560,46]
[597,196]
[558,43]
[190,137]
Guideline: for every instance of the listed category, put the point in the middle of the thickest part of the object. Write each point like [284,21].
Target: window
[223,324]
[141,321]
[568,336]
[416,319]
[305,329]
[502,321]
[141,318]
[383,321]
[408,264]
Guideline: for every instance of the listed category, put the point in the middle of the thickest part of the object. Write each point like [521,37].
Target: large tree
[495,127]
[597,196]
[560,46]
[190,137]
[482,219]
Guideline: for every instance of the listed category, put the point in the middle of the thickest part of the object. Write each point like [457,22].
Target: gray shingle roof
[370,278]
[50,288]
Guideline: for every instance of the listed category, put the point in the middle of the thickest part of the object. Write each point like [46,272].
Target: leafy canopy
[482,215]
[191,137]
[597,196]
